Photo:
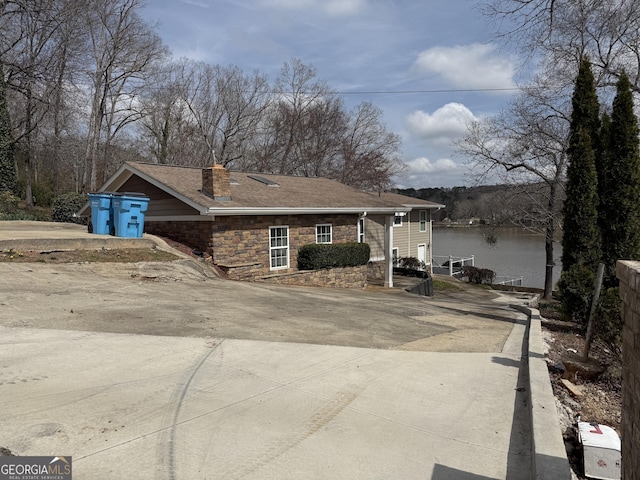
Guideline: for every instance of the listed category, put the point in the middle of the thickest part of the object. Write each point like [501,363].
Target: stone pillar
[628,273]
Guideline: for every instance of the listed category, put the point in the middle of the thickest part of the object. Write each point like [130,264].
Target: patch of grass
[550,309]
[441,285]
[80,256]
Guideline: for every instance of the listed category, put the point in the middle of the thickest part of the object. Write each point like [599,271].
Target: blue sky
[437,47]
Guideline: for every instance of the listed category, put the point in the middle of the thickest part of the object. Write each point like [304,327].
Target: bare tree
[558,34]
[122,49]
[33,46]
[525,145]
[164,112]
[242,101]
[301,96]
[370,153]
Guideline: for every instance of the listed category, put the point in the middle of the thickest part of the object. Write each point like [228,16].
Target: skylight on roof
[263,180]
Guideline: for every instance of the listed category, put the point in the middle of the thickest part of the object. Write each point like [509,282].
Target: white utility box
[601,447]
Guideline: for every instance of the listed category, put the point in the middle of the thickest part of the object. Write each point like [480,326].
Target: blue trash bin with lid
[101,212]
[128,214]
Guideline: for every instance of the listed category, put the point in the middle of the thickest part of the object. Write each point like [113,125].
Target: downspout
[409,235]
[388,251]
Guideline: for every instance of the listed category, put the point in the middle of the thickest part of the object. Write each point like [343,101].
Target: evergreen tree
[7,164]
[602,159]
[620,206]
[581,236]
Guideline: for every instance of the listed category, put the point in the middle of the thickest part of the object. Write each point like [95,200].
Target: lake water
[517,253]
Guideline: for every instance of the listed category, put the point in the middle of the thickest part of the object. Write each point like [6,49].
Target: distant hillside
[461,202]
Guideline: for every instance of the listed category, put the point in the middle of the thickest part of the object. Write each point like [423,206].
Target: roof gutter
[418,206]
[305,211]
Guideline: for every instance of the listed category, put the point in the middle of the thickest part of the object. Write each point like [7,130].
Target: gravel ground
[601,401]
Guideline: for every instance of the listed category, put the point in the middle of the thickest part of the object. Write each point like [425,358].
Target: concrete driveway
[161,372]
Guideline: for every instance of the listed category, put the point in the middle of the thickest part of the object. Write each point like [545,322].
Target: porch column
[388,251]
[430,247]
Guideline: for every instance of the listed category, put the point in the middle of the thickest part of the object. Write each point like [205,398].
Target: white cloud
[475,66]
[329,7]
[343,7]
[446,123]
[196,3]
[424,165]
[422,173]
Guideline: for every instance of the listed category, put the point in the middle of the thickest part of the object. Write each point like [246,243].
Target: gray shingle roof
[246,192]
[411,201]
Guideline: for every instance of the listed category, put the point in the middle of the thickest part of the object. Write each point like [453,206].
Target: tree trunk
[548,274]
[548,243]
[28,157]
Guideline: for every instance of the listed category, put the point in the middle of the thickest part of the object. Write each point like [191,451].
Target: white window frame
[422,220]
[397,220]
[320,235]
[395,256]
[273,248]
[361,236]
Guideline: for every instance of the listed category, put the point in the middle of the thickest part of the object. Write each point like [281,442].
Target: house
[412,231]
[252,225]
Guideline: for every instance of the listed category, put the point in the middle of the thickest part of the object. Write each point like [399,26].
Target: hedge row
[479,275]
[332,255]
[66,205]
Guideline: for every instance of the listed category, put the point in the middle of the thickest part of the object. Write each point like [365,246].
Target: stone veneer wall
[351,277]
[243,241]
[629,275]
[376,269]
[239,246]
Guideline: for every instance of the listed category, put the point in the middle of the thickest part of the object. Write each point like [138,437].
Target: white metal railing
[451,265]
[515,282]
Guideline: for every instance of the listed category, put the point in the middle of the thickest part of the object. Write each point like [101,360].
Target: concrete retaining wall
[548,456]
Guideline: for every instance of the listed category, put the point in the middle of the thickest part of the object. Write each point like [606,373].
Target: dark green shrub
[410,262]
[9,203]
[318,256]
[19,216]
[479,276]
[65,205]
[43,194]
[575,288]
[608,319]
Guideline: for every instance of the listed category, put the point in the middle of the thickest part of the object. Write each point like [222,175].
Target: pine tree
[620,206]
[602,160]
[603,152]
[7,164]
[581,235]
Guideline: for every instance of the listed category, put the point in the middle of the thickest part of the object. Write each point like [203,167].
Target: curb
[77,243]
[548,457]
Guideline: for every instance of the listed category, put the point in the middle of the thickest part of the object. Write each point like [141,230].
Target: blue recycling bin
[101,212]
[128,214]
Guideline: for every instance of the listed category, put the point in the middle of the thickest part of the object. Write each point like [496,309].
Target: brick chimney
[216,183]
